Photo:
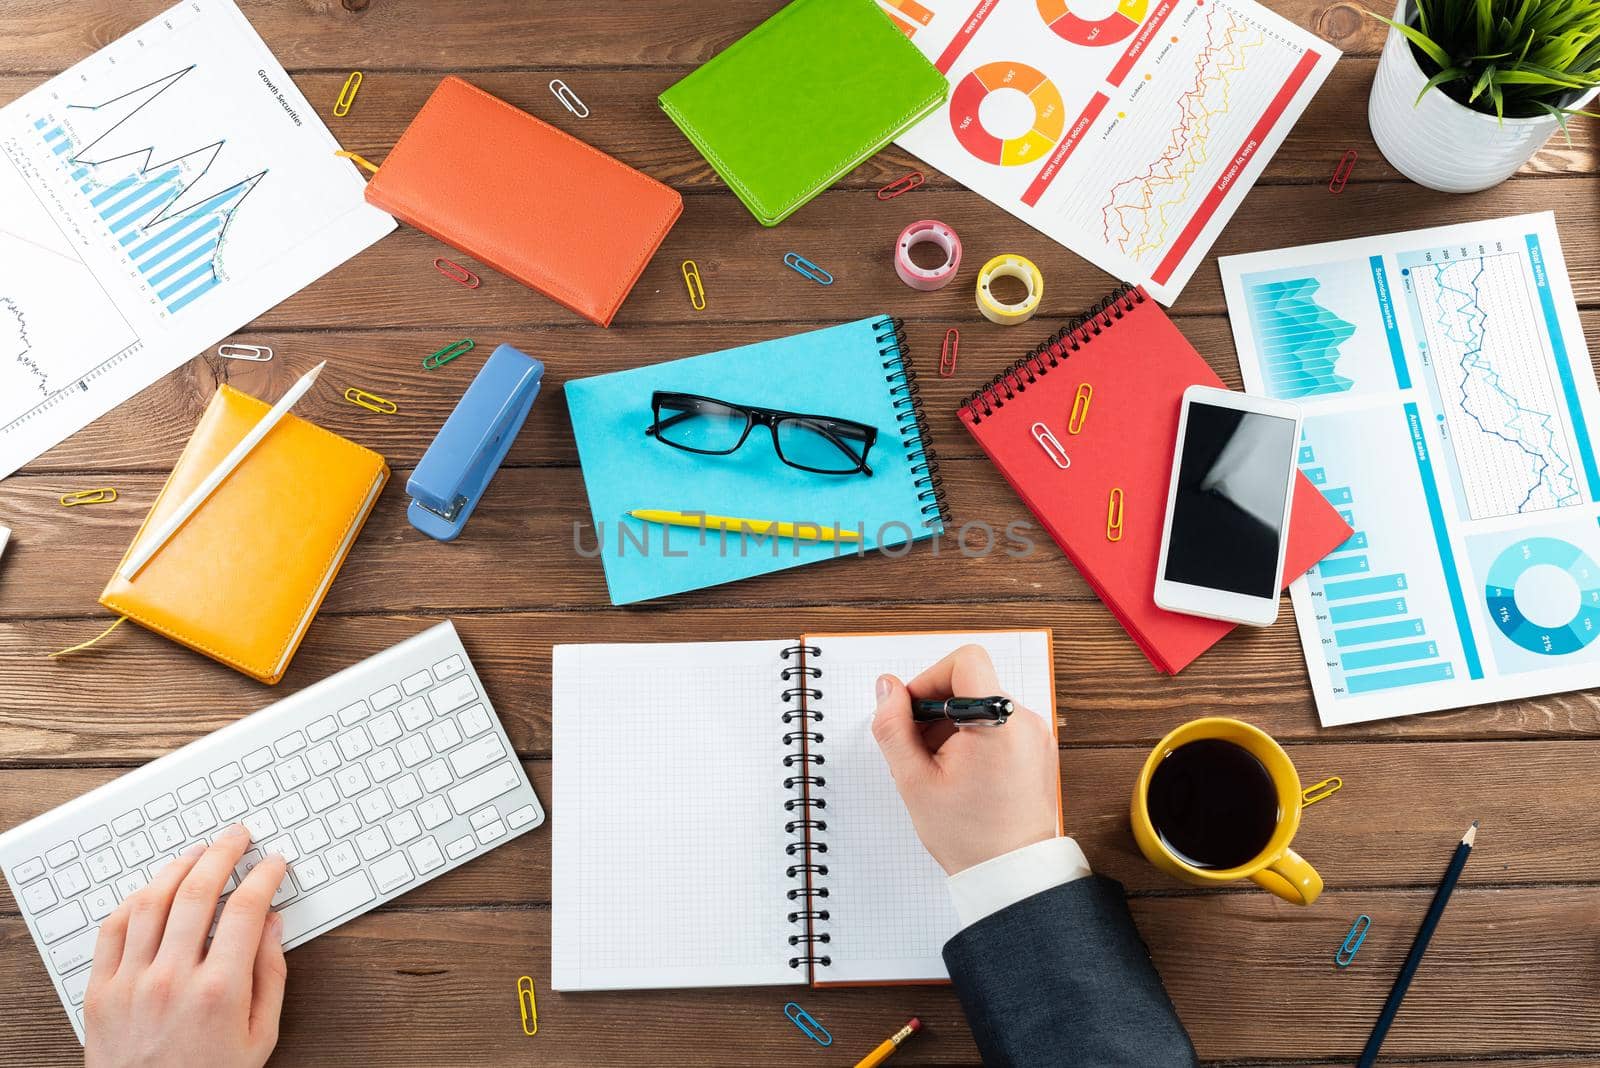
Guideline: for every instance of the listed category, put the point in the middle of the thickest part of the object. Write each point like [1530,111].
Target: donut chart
[1048,117]
[1512,566]
[1078,30]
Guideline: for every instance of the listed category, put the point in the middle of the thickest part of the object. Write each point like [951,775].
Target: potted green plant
[1468,90]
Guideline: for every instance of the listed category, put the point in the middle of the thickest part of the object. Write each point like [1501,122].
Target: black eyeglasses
[817,443]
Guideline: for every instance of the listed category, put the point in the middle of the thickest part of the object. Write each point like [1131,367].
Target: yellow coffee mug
[1277,867]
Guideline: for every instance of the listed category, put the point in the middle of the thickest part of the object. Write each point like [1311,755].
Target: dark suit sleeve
[1063,978]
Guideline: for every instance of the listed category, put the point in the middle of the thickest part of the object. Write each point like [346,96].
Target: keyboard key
[54,926]
[292,742]
[343,820]
[283,846]
[415,713]
[61,854]
[74,986]
[449,666]
[127,822]
[292,774]
[474,721]
[103,865]
[477,755]
[433,812]
[403,828]
[131,883]
[257,759]
[75,952]
[71,880]
[39,896]
[226,775]
[95,839]
[136,849]
[387,697]
[479,791]
[413,750]
[332,902]
[375,806]
[199,819]
[425,855]
[452,695]
[261,789]
[310,873]
[165,805]
[323,758]
[191,792]
[290,811]
[101,902]
[260,824]
[167,835]
[322,728]
[341,858]
[522,817]
[372,843]
[351,779]
[415,684]
[312,837]
[435,776]
[460,847]
[444,735]
[354,744]
[286,891]
[385,728]
[484,816]
[391,873]
[247,863]
[321,796]
[383,765]
[491,832]
[350,715]
[404,791]
[230,804]
[28,870]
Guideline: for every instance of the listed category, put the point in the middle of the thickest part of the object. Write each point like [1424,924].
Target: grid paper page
[668,810]
[889,911]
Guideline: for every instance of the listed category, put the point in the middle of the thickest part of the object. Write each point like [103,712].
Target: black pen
[964,711]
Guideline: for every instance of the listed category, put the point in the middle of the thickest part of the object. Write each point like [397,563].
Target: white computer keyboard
[370,782]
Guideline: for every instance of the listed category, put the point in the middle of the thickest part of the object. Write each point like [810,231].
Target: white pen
[141,556]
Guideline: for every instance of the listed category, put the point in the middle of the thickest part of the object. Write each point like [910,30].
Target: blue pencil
[1441,898]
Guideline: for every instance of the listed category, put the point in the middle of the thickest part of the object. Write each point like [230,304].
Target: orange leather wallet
[534,203]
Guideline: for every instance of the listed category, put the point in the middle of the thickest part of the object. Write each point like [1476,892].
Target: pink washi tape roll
[932,232]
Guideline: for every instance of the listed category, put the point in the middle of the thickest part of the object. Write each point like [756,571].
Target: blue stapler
[457,467]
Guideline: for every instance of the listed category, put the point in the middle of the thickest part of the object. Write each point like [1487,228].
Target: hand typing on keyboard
[158,996]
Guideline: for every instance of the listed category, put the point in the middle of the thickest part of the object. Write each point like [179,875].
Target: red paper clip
[947,352]
[1341,173]
[904,184]
[457,273]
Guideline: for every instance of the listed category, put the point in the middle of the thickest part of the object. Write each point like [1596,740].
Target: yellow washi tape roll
[1009,265]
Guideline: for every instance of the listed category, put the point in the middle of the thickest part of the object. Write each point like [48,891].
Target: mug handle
[1291,878]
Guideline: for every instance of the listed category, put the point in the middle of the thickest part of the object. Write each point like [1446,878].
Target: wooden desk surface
[1514,973]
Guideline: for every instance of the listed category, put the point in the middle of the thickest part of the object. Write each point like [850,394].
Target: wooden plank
[464,35]
[139,695]
[1251,977]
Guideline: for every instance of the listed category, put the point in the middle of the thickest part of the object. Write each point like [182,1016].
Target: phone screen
[1227,514]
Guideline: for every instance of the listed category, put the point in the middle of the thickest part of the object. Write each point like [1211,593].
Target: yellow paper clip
[529,1007]
[1052,446]
[1317,791]
[254,353]
[359,161]
[370,401]
[94,496]
[347,95]
[1114,514]
[569,99]
[1080,408]
[801,265]
[697,288]
[436,360]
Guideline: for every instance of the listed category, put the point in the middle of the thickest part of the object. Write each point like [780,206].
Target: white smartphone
[1228,506]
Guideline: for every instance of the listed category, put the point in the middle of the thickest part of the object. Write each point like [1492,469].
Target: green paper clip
[438,359]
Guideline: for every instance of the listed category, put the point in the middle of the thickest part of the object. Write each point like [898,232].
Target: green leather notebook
[799,101]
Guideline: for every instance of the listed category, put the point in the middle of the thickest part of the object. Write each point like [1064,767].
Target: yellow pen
[809,531]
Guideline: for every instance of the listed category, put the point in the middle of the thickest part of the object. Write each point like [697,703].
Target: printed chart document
[153,199]
[1128,131]
[1449,406]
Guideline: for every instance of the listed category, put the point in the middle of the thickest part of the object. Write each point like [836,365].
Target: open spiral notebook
[723,816]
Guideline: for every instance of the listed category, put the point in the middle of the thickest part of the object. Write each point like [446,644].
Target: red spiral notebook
[1137,365]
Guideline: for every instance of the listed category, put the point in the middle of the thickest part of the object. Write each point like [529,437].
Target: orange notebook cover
[536,204]
[1137,364]
[243,578]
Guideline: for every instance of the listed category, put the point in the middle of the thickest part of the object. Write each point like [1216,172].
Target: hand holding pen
[963,711]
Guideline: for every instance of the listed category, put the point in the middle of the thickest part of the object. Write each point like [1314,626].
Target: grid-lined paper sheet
[668,811]
[889,912]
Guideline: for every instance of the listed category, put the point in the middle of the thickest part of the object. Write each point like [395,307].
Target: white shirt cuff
[986,888]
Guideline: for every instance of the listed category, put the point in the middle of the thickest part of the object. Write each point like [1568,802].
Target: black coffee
[1213,804]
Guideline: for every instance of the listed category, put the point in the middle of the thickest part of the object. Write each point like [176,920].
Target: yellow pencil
[808,531]
[889,1045]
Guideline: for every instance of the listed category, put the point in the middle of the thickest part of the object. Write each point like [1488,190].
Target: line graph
[1299,339]
[16,346]
[1500,408]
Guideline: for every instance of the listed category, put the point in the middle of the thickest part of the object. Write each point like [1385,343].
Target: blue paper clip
[804,266]
[1352,941]
[808,1024]
[457,467]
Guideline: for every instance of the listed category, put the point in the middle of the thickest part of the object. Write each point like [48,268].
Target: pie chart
[1544,595]
[1092,30]
[1048,117]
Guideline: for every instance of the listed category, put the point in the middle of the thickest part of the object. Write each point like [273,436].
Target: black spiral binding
[1049,353]
[805,810]
[912,423]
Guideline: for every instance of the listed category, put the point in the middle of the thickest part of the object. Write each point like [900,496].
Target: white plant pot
[1437,142]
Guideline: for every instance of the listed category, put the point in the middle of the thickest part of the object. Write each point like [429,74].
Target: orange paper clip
[1051,445]
[457,273]
[947,352]
[347,95]
[903,184]
[1080,408]
[1341,173]
[1114,515]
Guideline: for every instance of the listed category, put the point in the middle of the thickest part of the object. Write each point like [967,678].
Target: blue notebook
[859,371]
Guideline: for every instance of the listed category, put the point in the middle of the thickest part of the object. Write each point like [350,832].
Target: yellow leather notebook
[242,579]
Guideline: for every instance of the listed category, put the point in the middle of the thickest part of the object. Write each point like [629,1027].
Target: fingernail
[193,850]
[885,684]
[235,831]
